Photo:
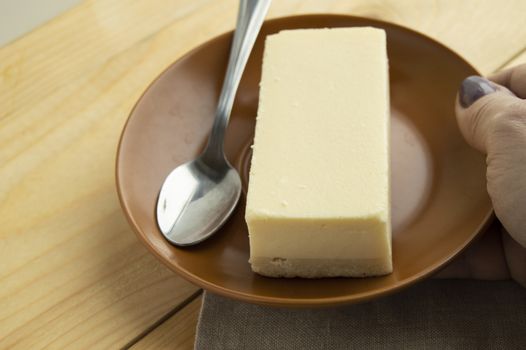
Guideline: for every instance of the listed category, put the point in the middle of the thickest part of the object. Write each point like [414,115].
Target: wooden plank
[178,332]
[71,48]
[72,273]
[520,58]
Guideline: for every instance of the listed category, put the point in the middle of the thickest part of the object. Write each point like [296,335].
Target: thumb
[493,120]
[480,104]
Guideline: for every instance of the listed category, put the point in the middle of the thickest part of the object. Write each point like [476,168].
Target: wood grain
[71,271]
[178,332]
[516,60]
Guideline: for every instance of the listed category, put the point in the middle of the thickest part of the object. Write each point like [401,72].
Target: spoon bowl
[196,199]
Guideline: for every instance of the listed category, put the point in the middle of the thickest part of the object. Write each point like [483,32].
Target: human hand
[492,117]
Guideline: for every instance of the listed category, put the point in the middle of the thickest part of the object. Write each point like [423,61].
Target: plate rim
[280,301]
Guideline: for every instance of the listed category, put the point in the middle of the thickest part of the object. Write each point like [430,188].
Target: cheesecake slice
[318,194]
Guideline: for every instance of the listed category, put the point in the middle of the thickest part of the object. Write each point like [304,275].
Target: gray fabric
[436,314]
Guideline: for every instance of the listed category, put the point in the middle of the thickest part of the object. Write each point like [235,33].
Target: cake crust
[319,268]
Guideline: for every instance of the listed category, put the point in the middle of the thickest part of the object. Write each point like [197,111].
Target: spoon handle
[249,20]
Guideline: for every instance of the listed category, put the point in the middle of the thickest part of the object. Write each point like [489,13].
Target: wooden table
[72,273]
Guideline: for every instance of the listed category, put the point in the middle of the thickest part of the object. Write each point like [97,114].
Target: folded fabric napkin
[435,314]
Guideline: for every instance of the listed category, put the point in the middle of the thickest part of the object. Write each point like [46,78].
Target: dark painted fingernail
[473,88]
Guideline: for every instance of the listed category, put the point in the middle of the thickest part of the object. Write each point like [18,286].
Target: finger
[506,160]
[515,258]
[513,78]
[480,103]
[484,259]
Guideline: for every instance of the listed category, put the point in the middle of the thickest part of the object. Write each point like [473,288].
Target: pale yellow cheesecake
[318,194]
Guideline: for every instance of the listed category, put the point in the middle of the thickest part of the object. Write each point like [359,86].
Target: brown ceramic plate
[439,200]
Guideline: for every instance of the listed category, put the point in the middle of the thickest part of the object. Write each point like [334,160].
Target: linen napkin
[435,314]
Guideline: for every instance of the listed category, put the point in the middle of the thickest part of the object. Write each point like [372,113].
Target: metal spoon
[198,197]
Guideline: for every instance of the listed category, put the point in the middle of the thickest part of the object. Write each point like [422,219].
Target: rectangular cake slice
[318,194]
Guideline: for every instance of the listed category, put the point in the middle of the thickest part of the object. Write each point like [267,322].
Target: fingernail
[473,88]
